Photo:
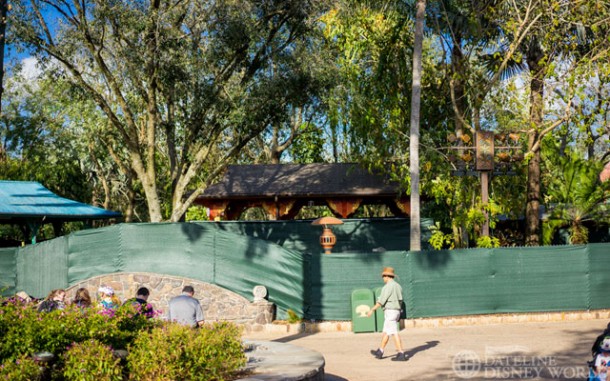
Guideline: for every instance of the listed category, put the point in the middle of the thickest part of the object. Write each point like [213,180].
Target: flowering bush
[19,323]
[24,331]
[212,352]
[91,361]
[22,369]
[81,340]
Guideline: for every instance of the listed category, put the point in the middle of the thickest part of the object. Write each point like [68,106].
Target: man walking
[185,309]
[390,300]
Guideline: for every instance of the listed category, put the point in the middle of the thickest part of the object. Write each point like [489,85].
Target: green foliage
[440,240]
[574,196]
[309,146]
[488,242]
[457,204]
[212,352]
[38,145]
[175,107]
[91,361]
[373,42]
[196,213]
[293,317]
[25,331]
[20,369]
[83,341]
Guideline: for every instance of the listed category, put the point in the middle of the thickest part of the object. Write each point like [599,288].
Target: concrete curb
[445,321]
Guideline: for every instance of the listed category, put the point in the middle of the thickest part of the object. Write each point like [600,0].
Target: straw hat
[389,271]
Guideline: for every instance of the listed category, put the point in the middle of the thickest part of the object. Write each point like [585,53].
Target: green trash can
[379,318]
[362,302]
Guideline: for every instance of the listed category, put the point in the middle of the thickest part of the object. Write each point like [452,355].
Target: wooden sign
[485,151]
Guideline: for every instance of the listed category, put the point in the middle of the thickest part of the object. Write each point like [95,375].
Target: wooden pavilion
[283,189]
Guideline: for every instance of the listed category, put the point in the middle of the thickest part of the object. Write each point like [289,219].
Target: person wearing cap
[185,309]
[390,300]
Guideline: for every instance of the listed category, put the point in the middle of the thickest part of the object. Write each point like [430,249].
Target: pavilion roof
[29,200]
[300,180]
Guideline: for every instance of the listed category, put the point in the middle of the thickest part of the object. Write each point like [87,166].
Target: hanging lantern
[328,238]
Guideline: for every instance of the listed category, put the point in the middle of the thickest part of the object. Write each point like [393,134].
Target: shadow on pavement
[296,336]
[430,344]
[562,365]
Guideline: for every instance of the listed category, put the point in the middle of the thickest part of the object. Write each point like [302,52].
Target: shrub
[22,369]
[488,242]
[293,317]
[81,339]
[91,361]
[19,326]
[212,352]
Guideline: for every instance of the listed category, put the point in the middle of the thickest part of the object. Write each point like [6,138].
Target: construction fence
[285,257]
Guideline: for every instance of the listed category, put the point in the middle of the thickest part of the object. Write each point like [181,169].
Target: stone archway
[218,303]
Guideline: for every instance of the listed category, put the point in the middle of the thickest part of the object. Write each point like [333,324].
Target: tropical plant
[487,242]
[574,196]
[439,239]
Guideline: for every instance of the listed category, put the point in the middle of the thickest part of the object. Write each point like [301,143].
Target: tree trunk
[415,237]
[131,197]
[532,208]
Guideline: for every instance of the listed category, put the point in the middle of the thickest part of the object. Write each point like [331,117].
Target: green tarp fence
[8,271]
[286,258]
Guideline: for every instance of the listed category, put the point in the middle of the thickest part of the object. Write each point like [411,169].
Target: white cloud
[30,69]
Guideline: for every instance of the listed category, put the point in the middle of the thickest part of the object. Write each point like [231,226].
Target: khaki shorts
[390,321]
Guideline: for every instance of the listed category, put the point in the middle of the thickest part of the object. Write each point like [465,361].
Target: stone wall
[217,303]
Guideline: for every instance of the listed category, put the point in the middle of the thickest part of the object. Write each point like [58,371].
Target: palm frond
[492,62]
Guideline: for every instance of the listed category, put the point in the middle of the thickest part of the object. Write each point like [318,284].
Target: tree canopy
[144,103]
[184,86]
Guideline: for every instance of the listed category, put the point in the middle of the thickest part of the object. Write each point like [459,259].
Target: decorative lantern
[328,238]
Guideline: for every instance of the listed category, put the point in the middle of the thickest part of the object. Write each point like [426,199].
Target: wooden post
[485,200]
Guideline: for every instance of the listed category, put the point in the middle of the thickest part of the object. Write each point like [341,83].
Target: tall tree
[418,42]
[184,85]
[557,37]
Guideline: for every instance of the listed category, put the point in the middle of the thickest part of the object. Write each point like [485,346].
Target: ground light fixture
[328,238]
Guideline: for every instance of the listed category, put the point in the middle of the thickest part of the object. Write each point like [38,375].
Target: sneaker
[377,353]
[400,357]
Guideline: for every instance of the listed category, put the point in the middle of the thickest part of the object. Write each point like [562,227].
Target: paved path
[516,351]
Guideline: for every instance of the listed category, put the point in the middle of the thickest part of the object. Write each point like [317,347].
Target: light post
[487,155]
